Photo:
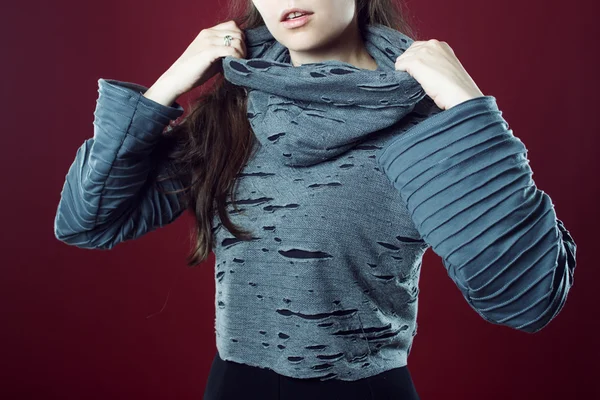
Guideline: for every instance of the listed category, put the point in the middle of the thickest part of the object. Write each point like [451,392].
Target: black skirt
[230,380]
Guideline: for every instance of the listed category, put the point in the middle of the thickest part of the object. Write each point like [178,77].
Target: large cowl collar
[307,114]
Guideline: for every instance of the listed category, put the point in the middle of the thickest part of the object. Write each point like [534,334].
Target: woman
[343,191]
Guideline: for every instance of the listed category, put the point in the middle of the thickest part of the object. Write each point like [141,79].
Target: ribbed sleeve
[468,185]
[107,197]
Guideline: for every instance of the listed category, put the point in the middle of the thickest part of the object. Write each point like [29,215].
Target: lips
[287,12]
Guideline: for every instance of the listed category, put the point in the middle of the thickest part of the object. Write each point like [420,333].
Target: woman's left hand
[433,64]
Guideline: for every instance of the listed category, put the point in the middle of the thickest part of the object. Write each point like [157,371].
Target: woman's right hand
[202,59]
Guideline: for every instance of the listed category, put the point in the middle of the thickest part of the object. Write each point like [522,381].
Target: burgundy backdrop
[134,322]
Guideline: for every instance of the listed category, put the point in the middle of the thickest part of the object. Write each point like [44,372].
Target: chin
[301,41]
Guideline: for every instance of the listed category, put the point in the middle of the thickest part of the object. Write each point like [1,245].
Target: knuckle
[437,43]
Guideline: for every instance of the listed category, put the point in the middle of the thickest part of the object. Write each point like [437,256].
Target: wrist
[163,92]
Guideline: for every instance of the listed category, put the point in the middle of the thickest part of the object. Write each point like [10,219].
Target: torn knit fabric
[342,199]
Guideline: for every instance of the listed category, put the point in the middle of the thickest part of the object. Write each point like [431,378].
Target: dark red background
[134,322]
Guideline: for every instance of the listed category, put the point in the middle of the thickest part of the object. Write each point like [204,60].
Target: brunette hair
[212,143]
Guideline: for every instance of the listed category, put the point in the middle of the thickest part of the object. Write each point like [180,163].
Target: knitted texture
[307,114]
[356,174]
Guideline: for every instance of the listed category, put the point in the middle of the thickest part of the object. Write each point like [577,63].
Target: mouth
[289,11]
[296,21]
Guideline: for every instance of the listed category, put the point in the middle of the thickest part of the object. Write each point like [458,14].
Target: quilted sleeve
[109,195]
[468,185]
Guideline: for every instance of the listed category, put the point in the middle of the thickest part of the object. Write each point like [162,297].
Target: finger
[238,38]
[222,50]
[233,30]
[224,32]
[403,63]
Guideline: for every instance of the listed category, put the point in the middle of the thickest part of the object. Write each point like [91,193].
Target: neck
[349,47]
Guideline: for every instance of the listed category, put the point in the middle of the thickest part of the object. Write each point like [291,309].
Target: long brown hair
[210,145]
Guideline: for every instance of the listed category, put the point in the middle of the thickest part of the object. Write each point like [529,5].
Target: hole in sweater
[304,254]
[388,245]
[337,313]
[238,67]
[319,367]
[388,87]
[316,347]
[340,71]
[262,64]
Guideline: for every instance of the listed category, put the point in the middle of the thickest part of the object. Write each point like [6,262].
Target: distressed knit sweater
[328,285]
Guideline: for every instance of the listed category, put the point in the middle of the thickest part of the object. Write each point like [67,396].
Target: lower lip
[296,22]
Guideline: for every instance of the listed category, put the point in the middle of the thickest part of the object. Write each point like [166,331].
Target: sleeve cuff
[136,91]
[121,106]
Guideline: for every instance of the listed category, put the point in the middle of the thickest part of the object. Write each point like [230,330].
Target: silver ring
[227,39]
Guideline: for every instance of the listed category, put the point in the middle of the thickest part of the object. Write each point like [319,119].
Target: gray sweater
[328,286]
